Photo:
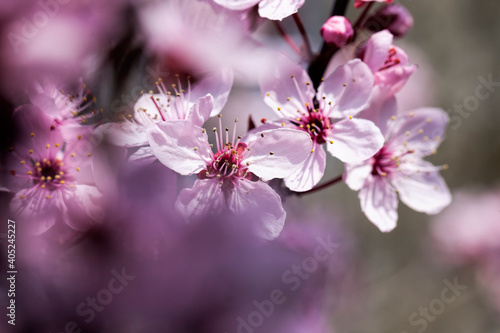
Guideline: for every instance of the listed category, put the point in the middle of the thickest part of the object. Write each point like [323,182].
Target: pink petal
[174,144]
[394,78]
[260,200]
[310,173]
[379,202]
[279,9]
[123,134]
[420,130]
[356,174]
[143,155]
[218,85]
[237,4]
[204,198]
[80,204]
[34,210]
[347,90]
[377,49]
[380,111]
[200,111]
[354,140]
[282,92]
[32,120]
[421,187]
[277,153]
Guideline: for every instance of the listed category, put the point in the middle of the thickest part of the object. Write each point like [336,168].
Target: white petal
[279,9]
[174,144]
[200,111]
[310,173]
[123,134]
[379,202]
[289,150]
[420,130]
[421,187]
[204,198]
[218,85]
[348,90]
[282,92]
[260,200]
[354,140]
[356,174]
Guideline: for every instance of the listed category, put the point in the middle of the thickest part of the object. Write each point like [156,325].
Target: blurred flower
[468,232]
[288,91]
[395,18]
[229,179]
[337,30]
[399,169]
[36,31]
[193,37]
[52,175]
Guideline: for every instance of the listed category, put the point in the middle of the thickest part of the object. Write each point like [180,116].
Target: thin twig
[303,33]
[322,186]
[287,38]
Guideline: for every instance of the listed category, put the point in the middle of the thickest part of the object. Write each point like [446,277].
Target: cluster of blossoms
[71,161]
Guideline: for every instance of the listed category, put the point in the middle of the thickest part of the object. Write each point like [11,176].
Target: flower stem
[287,38]
[303,33]
[318,65]
[362,17]
[322,186]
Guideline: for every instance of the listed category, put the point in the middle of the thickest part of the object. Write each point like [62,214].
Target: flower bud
[337,30]
[395,18]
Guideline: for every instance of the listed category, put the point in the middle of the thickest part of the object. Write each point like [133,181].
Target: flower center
[48,173]
[314,123]
[226,165]
[384,162]
[392,59]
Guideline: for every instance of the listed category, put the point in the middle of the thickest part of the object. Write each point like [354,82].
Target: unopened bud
[395,18]
[337,30]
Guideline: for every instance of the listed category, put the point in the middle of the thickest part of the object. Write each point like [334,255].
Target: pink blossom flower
[398,169]
[52,175]
[337,30]
[69,109]
[271,9]
[179,104]
[388,62]
[288,91]
[361,3]
[229,179]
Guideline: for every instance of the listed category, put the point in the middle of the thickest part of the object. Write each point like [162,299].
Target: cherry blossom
[288,91]
[52,176]
[233,178]
[188,104]
[398,168]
